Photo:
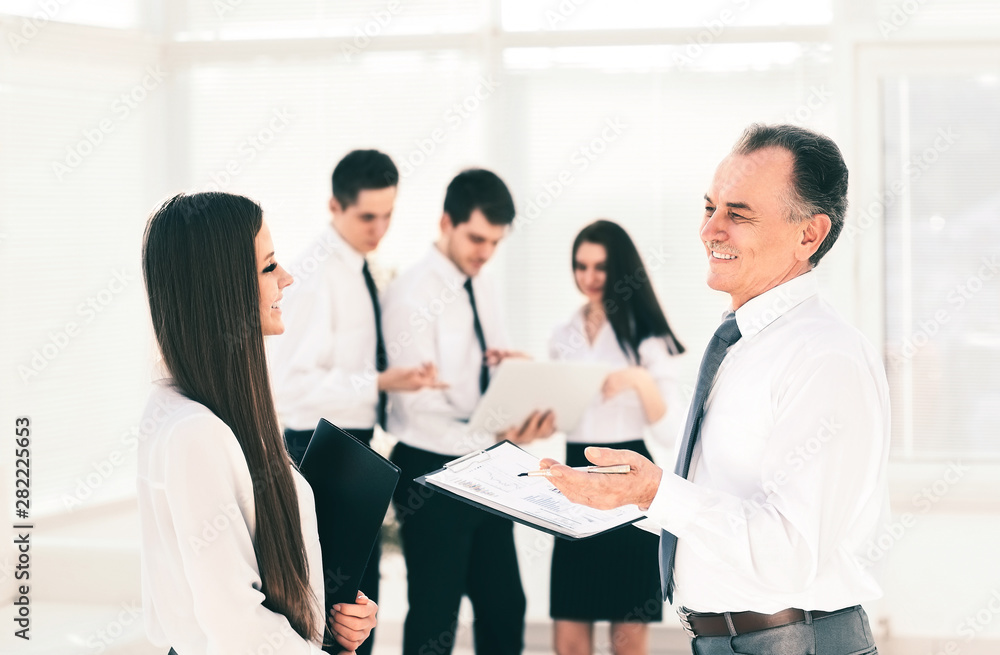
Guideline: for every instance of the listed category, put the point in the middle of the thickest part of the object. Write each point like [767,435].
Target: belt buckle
[683,613]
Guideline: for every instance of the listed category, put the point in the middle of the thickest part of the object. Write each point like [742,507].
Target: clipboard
[522,386]
[353,487]
[473,480]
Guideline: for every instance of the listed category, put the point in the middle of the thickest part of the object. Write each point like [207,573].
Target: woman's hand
[351,624]
[622,380]
[641,381]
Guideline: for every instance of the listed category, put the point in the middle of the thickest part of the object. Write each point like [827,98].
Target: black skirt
[611,577]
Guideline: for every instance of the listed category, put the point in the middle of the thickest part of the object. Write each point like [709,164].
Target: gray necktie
[727,334]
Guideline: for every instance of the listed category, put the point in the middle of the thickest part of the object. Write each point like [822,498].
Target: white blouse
[200,581]
[622,417]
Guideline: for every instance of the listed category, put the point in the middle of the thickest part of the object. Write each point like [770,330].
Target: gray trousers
[846,633]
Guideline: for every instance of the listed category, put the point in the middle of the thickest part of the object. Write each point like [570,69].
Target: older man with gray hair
[780,483]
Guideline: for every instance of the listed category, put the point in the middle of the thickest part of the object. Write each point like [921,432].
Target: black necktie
[484,370]
[381,361]
[727,334]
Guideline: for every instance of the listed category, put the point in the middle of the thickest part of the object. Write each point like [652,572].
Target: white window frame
[910,475]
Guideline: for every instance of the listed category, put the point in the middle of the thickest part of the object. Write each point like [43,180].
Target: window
[712,15]
[363,19]
[74,192]
[118,14]
[942,262]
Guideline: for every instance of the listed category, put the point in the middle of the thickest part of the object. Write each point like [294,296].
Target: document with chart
[488,479]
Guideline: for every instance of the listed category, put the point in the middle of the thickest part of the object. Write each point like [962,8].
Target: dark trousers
[296,442]
[843,633]
[451,550]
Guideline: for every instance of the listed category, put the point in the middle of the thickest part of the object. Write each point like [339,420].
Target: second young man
[442,311]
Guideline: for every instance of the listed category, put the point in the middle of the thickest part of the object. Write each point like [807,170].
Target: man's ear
[335,207]
[446,223]
[814,232]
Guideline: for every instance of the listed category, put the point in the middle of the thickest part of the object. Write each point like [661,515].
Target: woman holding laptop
[621,324]
[231,559]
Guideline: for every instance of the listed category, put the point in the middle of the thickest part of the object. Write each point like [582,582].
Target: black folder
[353,487]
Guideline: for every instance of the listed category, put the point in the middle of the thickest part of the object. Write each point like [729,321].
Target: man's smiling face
[750,243]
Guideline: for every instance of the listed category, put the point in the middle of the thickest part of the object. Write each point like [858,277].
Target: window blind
[353,18]
[711,15]
[942,277]
[73,198]
[415,106]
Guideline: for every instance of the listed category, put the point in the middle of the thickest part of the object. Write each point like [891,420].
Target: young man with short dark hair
[444,312]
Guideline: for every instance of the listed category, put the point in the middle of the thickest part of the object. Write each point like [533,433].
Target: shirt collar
[760,311]
[579,322]
[354,259]
[440,263]
[160,372]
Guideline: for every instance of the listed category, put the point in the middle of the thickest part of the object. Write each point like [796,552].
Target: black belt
[730,624]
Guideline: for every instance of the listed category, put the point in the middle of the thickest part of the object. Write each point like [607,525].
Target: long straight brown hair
[627,286]
[200,269]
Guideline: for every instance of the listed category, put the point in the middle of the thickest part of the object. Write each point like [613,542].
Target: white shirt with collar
[323,366]
[200,581]
[788,488]
[427,317]
[621,417]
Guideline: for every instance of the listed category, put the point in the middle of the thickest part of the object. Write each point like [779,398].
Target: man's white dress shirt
[788,481]
[622,417]
[427,317]
[323,366]
[200,581]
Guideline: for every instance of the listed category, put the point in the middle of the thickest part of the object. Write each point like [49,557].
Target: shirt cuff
[676,505]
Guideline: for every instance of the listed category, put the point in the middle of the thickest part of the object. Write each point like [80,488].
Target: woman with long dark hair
[621,324]
[231,560]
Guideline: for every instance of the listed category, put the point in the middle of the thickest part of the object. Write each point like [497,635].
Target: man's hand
[607,490]
[352,624]
[537,426]
[410,379]
[494,355]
